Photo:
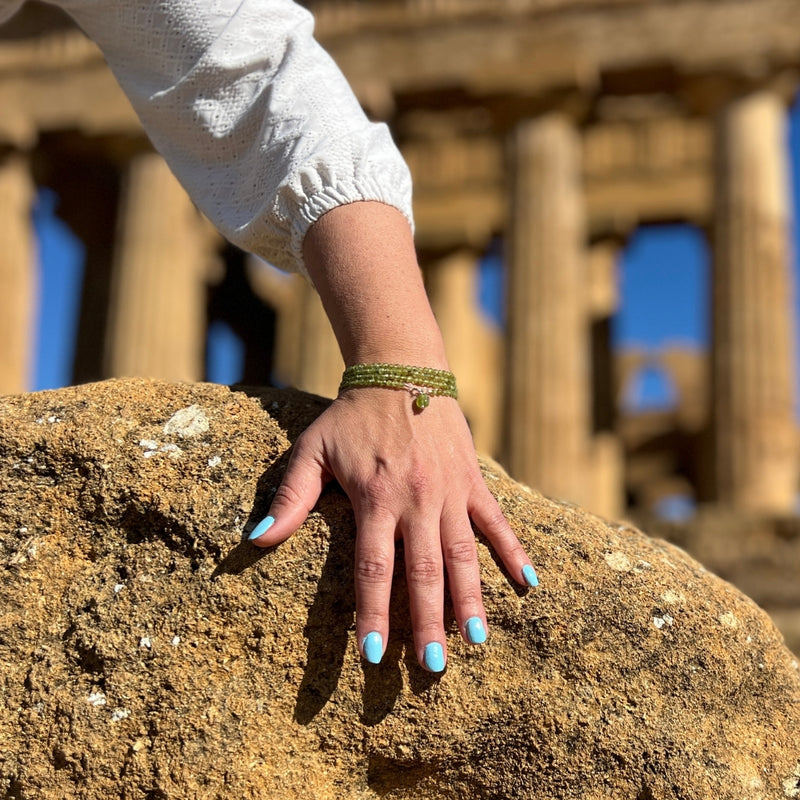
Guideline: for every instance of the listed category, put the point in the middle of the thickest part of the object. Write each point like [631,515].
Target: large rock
[148,652]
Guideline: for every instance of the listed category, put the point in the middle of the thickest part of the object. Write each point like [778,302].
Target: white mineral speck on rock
[96,699]
[173,450]
[214,461]
[176,640]
[729,620]
[188,422]
[148,444]
[660,622]
[119,713]
[145,642]
[118,587]
[618,561]
[791,786]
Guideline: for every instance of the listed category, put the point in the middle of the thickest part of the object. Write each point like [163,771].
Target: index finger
[488,516]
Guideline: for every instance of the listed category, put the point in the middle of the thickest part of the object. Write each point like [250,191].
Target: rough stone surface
[758,553]
[146,651]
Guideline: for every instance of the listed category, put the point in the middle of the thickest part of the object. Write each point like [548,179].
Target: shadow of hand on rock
[246,554]
[331,616]
[383,683]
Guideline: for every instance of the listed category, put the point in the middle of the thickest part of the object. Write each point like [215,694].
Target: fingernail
[476,633]
[372,645]
[434,657]
[529,574]
[261,528]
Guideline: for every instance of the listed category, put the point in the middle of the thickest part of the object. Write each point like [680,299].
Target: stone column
[607,460]
[754,442]
[157,319]
[474,345]
[547,441]
[18,281]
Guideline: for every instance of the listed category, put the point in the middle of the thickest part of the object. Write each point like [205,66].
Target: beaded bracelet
[421,382]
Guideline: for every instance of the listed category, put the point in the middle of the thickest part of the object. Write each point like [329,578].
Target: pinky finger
[488,516]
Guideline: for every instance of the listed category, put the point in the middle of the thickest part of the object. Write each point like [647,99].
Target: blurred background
[604,198]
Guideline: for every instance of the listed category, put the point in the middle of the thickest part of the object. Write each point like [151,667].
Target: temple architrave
[557,127]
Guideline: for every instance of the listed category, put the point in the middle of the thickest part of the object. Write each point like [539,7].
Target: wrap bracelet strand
[421,383]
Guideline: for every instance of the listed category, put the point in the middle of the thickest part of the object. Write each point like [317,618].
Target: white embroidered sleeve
[253,117]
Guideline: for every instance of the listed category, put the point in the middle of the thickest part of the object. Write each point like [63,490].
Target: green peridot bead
[422,401]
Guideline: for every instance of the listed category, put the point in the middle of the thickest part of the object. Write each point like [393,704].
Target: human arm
[250,113]
[407,474]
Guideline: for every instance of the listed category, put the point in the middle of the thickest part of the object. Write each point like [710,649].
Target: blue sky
[61,257]
[664,275]
[664,283]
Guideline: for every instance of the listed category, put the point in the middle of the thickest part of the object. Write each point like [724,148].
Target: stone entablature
[56,82]
[529,48]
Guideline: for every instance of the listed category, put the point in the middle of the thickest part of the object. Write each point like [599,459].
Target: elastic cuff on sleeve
[325,200]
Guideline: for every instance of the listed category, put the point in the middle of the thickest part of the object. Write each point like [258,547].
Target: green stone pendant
[422,401]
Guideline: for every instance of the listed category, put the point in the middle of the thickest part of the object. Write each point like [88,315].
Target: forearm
[362,261]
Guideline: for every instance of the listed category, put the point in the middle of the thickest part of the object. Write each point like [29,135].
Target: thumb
[298,493]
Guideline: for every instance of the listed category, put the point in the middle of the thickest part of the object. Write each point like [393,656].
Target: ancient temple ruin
[556,126]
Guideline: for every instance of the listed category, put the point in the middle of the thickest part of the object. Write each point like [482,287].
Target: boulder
[148,651]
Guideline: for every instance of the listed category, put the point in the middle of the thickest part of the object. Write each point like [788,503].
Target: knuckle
[517,551]
[375,491]
[420,485]
[461,551]
[302,453]
[496,520]
[371,614]
[425,572]
[286,494]
[469,599]
[373,569]
[428,629]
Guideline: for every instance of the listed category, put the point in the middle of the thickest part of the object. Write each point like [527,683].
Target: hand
[407,474]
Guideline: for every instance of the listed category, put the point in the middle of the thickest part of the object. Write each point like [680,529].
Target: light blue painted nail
[476,633]
[261,528]
[529,574]
[373,647]
[434,657]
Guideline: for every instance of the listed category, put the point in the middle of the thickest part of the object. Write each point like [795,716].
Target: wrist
[404,344]
[362,261]
[421,383]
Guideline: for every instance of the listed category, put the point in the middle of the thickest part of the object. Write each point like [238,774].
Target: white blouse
[251,114]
